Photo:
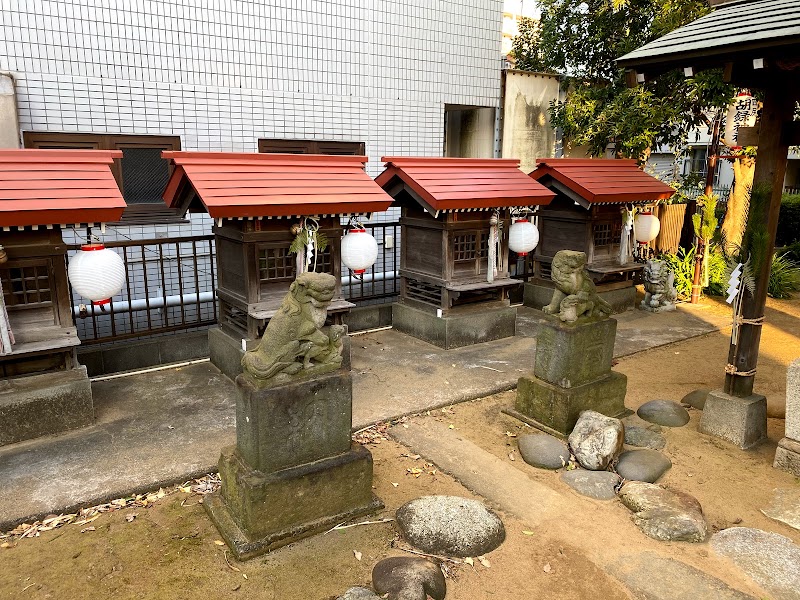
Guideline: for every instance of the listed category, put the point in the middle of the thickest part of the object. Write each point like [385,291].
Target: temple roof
[230,185]
[58,187]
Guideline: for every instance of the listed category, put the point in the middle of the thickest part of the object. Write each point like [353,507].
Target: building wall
[221,78]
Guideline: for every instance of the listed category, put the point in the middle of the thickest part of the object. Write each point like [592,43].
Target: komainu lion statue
[295,344]
[575,295]
[659,286]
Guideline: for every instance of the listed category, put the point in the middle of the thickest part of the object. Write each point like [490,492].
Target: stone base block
[787,456]
[295,423]
[44,404]
[473,325]
[537,295]
[741,421]
[225,352]
[657,309]
[256,513]
[556,409]
[569,355]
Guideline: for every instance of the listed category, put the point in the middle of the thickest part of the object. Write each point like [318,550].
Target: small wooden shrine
[455,222]
[588,215]
[42,192]
[259,203]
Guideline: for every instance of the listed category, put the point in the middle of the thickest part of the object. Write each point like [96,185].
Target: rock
[655,577]
[664,412]
[644,438]
[663,514]
[408,578]
[642,465]
[596,440]
[543,451]
[696,399]
[785,507]
[600,485]
[450,525]
[771,560]
[358,593]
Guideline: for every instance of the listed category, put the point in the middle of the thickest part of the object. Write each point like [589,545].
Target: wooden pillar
[773,149]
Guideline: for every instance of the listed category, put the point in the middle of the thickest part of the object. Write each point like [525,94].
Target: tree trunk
[738,203]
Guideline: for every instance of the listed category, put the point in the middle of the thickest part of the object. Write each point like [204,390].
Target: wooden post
[711,169]
[773,150]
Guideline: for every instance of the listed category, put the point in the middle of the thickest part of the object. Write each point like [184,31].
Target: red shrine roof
[463,183]
[600,180]
[247,185]
[58,187]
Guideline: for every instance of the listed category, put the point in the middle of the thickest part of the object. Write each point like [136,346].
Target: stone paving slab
[163,427]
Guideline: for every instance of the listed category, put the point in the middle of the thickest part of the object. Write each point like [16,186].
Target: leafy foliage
[705,222]
[784,277]
[582,39]
[788,220]
[682,264]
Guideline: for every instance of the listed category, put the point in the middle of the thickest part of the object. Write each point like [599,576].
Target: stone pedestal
[462,327]
[787,456]
[657,309]
[44,404]
[741,421]
[294,471]
[572,373]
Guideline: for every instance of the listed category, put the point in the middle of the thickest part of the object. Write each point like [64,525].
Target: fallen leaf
[186,490]
[5,545]
[511,455]
[547,568]
[395,484]
[484,561]
[527,532]
[469,561]
[90,528]
[244,575]
[357,554]
[219,543]
[509,434]
[85,521]
[451,427]
[236,588]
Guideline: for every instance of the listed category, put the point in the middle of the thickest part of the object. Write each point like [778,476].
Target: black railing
[171,286]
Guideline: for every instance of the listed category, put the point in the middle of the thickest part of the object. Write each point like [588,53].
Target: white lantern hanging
[742,112]
[359,250]
[646,227]
[522,237]
[97,273]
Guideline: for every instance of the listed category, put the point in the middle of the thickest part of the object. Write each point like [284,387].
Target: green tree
[582,39]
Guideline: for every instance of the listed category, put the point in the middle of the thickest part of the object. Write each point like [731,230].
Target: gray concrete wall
[527,134]
[9,121]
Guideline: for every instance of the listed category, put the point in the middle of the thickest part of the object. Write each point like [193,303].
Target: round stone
[664,412]
[596,440]
[543,451]
[644,438]
[359,593]
[696,399]
[408,578]
[600,485]
[642,465]
[450,525]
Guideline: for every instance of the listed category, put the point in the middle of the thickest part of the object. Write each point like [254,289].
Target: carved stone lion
[575,295]
[659,286]
[295,343]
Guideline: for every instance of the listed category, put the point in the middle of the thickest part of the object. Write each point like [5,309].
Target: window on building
[141,173]
[310,147]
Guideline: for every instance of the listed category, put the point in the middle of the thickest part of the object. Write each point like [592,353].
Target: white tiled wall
[354,70]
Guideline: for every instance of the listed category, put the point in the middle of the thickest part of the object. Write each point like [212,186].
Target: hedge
[788,221]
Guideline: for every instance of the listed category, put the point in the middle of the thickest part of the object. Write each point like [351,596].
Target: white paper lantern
[742,112]
[97,273]
[359,250]
[522,237]
[646,226]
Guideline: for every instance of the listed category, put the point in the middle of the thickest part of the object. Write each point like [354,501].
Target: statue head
[655,271]
[312,288]
[565,264]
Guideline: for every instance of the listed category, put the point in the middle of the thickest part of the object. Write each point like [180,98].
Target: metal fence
[171,286]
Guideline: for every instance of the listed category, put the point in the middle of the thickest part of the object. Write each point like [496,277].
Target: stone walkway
[162,427]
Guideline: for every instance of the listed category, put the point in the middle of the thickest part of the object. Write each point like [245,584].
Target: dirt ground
[171,549]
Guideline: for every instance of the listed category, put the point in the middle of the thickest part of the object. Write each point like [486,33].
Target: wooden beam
[779,102]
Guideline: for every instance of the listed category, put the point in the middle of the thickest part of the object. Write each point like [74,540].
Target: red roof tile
[465,183]
[58,187]
[599,180]
[232,185]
